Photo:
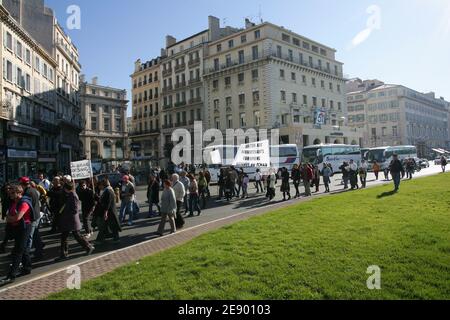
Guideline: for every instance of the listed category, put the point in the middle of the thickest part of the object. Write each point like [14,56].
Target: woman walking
[376,169]
[285,187]
[202,188]
[296,175]
[168,208]
[193,196]
[70,223]
[153,196]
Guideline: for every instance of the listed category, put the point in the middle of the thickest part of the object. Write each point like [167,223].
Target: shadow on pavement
[386,194]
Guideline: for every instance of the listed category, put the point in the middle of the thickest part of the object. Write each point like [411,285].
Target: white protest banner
[81,169]
[215,157]
[253,155]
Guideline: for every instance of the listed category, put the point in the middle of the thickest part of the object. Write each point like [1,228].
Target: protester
[353,175]
[240,177]
[345,169]
[126,197]
[316,177]
[221,180]
[44,182]
[410,168]
[443,163]
[86,195]
[70,223]
[193,196]
[307,176]
[376,169]
[153,196]
[6,203]
[57,199]
[106,213]
[19,219]
[386,173]
[34,237]
[363,173]
[258,183]
[396,168]
[271,182]
[296,177]
[202,188]
[178,188]
[234,177]
[285,186]
[186,183]
[326,173]
[245,183]
[168,208]
[208,181]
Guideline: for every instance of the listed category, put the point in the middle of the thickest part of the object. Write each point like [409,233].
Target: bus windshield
[376,155]
[310,155]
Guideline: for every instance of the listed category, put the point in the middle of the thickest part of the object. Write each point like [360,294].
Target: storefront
[21,163]
[46,164]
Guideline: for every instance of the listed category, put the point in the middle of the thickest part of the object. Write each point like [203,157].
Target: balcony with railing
[195,100]
[166,73]
[180,85]
[194,63]
[167,89]
[180,104]
[167,126]
[180,67]
[167,106]
[195,81]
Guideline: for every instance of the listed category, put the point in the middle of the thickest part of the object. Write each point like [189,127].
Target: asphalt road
[145,228]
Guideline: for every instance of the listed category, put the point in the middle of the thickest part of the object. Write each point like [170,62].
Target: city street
[145,229]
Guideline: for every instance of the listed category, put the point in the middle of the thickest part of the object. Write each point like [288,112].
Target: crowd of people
[89,205]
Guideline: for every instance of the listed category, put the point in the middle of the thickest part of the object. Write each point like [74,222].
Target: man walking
[126,196]
[180,192]
[396,168]
[443,163]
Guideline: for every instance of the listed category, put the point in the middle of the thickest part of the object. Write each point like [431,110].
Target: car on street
[424,163]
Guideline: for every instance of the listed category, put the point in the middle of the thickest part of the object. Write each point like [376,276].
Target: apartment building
[182,82]
[68,116]
[29,135]
[105,135]
[265,77]
[397,115]
[145,122]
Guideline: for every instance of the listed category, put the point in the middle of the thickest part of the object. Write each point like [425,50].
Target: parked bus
[383,155]
[287,156]
[335,154]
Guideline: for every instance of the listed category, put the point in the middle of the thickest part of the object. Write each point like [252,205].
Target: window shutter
[4,69]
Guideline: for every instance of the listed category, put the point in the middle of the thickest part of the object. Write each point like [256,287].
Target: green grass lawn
[315,250]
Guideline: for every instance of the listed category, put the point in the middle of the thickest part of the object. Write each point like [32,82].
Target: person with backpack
[70,223]
[19,219]
[127,192]
[35,196]
[178,188]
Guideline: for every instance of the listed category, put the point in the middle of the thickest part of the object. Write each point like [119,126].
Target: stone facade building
[104,112]
[392,115]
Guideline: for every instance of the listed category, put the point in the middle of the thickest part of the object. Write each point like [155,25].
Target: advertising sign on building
[81,170]
[320,116]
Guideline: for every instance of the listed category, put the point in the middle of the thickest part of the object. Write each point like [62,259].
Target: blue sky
[411,46]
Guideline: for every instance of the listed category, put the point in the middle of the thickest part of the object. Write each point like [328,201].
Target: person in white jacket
[180,192]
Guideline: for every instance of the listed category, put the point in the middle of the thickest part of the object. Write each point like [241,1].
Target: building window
[395,131]
[241,78]
[242,99]
[313,82]
[255,74]
[228,101]
[242,120]
[283,96]
[228,60]
[9,41]
[257,118]
[93,108]
[241,57]
[255,96]
[282,74]
[294,98]
[9,71]
[229,121]
[219,47]
[230,44]
[106,126]
[257,34]
[293,76]
[217,123]
[93,123]
[244,38]
[216,84]
[255,53]
[227,82]
[279,52]
[216,104]
[305,100]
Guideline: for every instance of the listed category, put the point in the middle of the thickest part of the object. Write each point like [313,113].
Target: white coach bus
[383,155]
[335,154]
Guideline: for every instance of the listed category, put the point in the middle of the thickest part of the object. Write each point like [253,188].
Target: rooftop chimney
[214,27]
[248,23]
[170,41]
[137,65]
[94,81]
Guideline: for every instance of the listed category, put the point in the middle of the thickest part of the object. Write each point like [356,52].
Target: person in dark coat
[56,202]
[70,223]
[106,213]
[153,195]
[296,177]
[285,186]
[6,202]
[87,197]
[396,169]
